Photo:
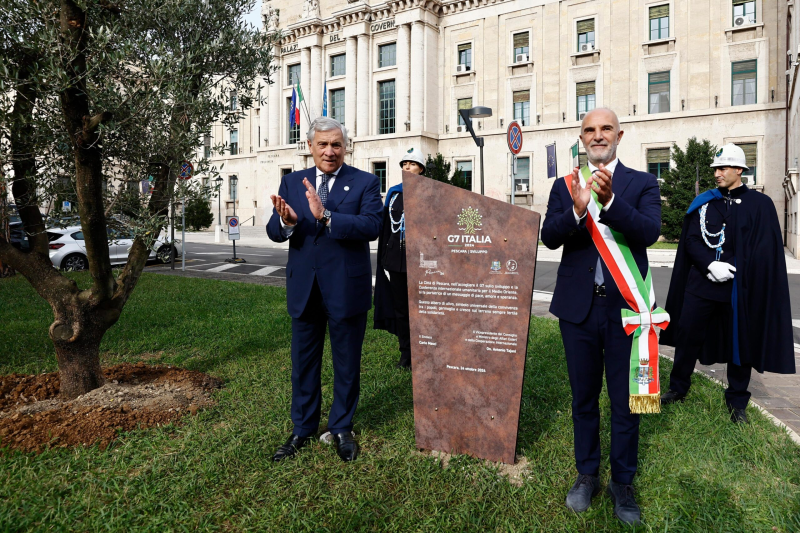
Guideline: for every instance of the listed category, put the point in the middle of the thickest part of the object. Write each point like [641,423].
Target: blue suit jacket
[338,258]
[635,212]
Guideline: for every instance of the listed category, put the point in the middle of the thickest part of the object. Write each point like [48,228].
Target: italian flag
[642,318]
[299,101]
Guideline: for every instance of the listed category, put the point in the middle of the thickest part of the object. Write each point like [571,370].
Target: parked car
[18,237]
[68,249]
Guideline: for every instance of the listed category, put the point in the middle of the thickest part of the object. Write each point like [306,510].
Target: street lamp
[218,181]
[235,190]
[467,115]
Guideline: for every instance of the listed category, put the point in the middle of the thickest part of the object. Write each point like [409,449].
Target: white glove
[720,272]
[387,274]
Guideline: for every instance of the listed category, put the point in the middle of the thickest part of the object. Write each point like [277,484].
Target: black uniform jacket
[391,257]
[761,330]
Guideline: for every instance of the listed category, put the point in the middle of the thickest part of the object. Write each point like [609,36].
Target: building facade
[791,181]
[396,73]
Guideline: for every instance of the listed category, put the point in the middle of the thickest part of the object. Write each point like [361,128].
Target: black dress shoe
[290,448]
[625,507]
[738,416]
[579,497]
[346,446]
[672,397]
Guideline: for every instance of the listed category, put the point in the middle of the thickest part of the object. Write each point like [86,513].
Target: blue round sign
[514,137]
[187,169]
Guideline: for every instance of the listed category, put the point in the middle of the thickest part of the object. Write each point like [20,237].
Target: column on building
[305,86]
[362,94]
[317,73]
[350,89]
[274,104]
[417,96]
[403,76]
[431,79]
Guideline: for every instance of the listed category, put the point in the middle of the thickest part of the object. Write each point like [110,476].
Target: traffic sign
[514,137]
[233,227]
[187,169]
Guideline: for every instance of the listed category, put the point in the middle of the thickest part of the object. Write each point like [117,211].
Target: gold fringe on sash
[645,403]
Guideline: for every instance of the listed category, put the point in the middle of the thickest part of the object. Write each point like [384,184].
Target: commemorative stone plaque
[471,262]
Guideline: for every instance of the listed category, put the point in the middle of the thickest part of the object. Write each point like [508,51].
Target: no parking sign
[233,227]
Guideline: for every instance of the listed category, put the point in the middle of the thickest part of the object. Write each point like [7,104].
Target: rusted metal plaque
[471,262]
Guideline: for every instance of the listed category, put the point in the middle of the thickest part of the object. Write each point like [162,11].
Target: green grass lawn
[664,246]
[697,471]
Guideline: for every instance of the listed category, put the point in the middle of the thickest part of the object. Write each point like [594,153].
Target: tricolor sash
[639,321]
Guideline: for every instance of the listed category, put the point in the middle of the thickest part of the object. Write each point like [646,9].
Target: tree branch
[90,124]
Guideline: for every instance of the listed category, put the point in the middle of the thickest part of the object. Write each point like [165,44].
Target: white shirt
[610,167]
[288,230]
[599,279]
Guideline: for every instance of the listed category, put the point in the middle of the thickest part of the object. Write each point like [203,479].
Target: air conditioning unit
[741,21]
[521,58]
[460,69]
[581,115]
[588,47]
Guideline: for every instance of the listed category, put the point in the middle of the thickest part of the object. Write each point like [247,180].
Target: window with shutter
[585,26]
[743,82]
[586,99]
[582,89]
[657,161]
[658,92]
[585,30]
[465,55]
[658,155]
[659,22]
[750,159]
[521,44]
[522,107]
[463,103]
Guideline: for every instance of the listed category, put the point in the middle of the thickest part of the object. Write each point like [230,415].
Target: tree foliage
[198,214]
[437,168]
[93,94]
[678,188]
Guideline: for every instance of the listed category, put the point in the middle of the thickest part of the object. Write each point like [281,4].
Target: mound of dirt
[33,417]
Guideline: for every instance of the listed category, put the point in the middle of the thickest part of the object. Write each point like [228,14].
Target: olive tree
[91,93]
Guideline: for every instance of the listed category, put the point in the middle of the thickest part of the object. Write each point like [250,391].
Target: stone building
[791,181]
[397,72]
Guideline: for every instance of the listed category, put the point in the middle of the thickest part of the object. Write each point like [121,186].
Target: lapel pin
[347,187]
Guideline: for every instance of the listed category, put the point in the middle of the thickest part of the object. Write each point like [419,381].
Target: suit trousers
[589,346]
[691,337]
[308,339]
[398,282]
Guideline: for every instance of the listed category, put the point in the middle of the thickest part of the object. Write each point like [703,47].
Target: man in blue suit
[588,304]
[328,214]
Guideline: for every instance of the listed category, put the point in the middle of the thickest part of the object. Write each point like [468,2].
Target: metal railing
[253,218]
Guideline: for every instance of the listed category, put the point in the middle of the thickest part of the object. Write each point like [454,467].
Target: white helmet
[730,155]
[414,156]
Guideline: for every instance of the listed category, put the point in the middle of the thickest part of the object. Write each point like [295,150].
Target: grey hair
[325,124]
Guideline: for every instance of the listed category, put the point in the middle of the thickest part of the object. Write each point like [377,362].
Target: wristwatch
[326,216]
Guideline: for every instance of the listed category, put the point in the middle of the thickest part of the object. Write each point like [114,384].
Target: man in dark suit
[329,214]
[588,304]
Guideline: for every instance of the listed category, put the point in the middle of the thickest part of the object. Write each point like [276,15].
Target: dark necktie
[323,188]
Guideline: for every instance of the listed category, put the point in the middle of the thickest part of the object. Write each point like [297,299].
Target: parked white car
[68,249]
